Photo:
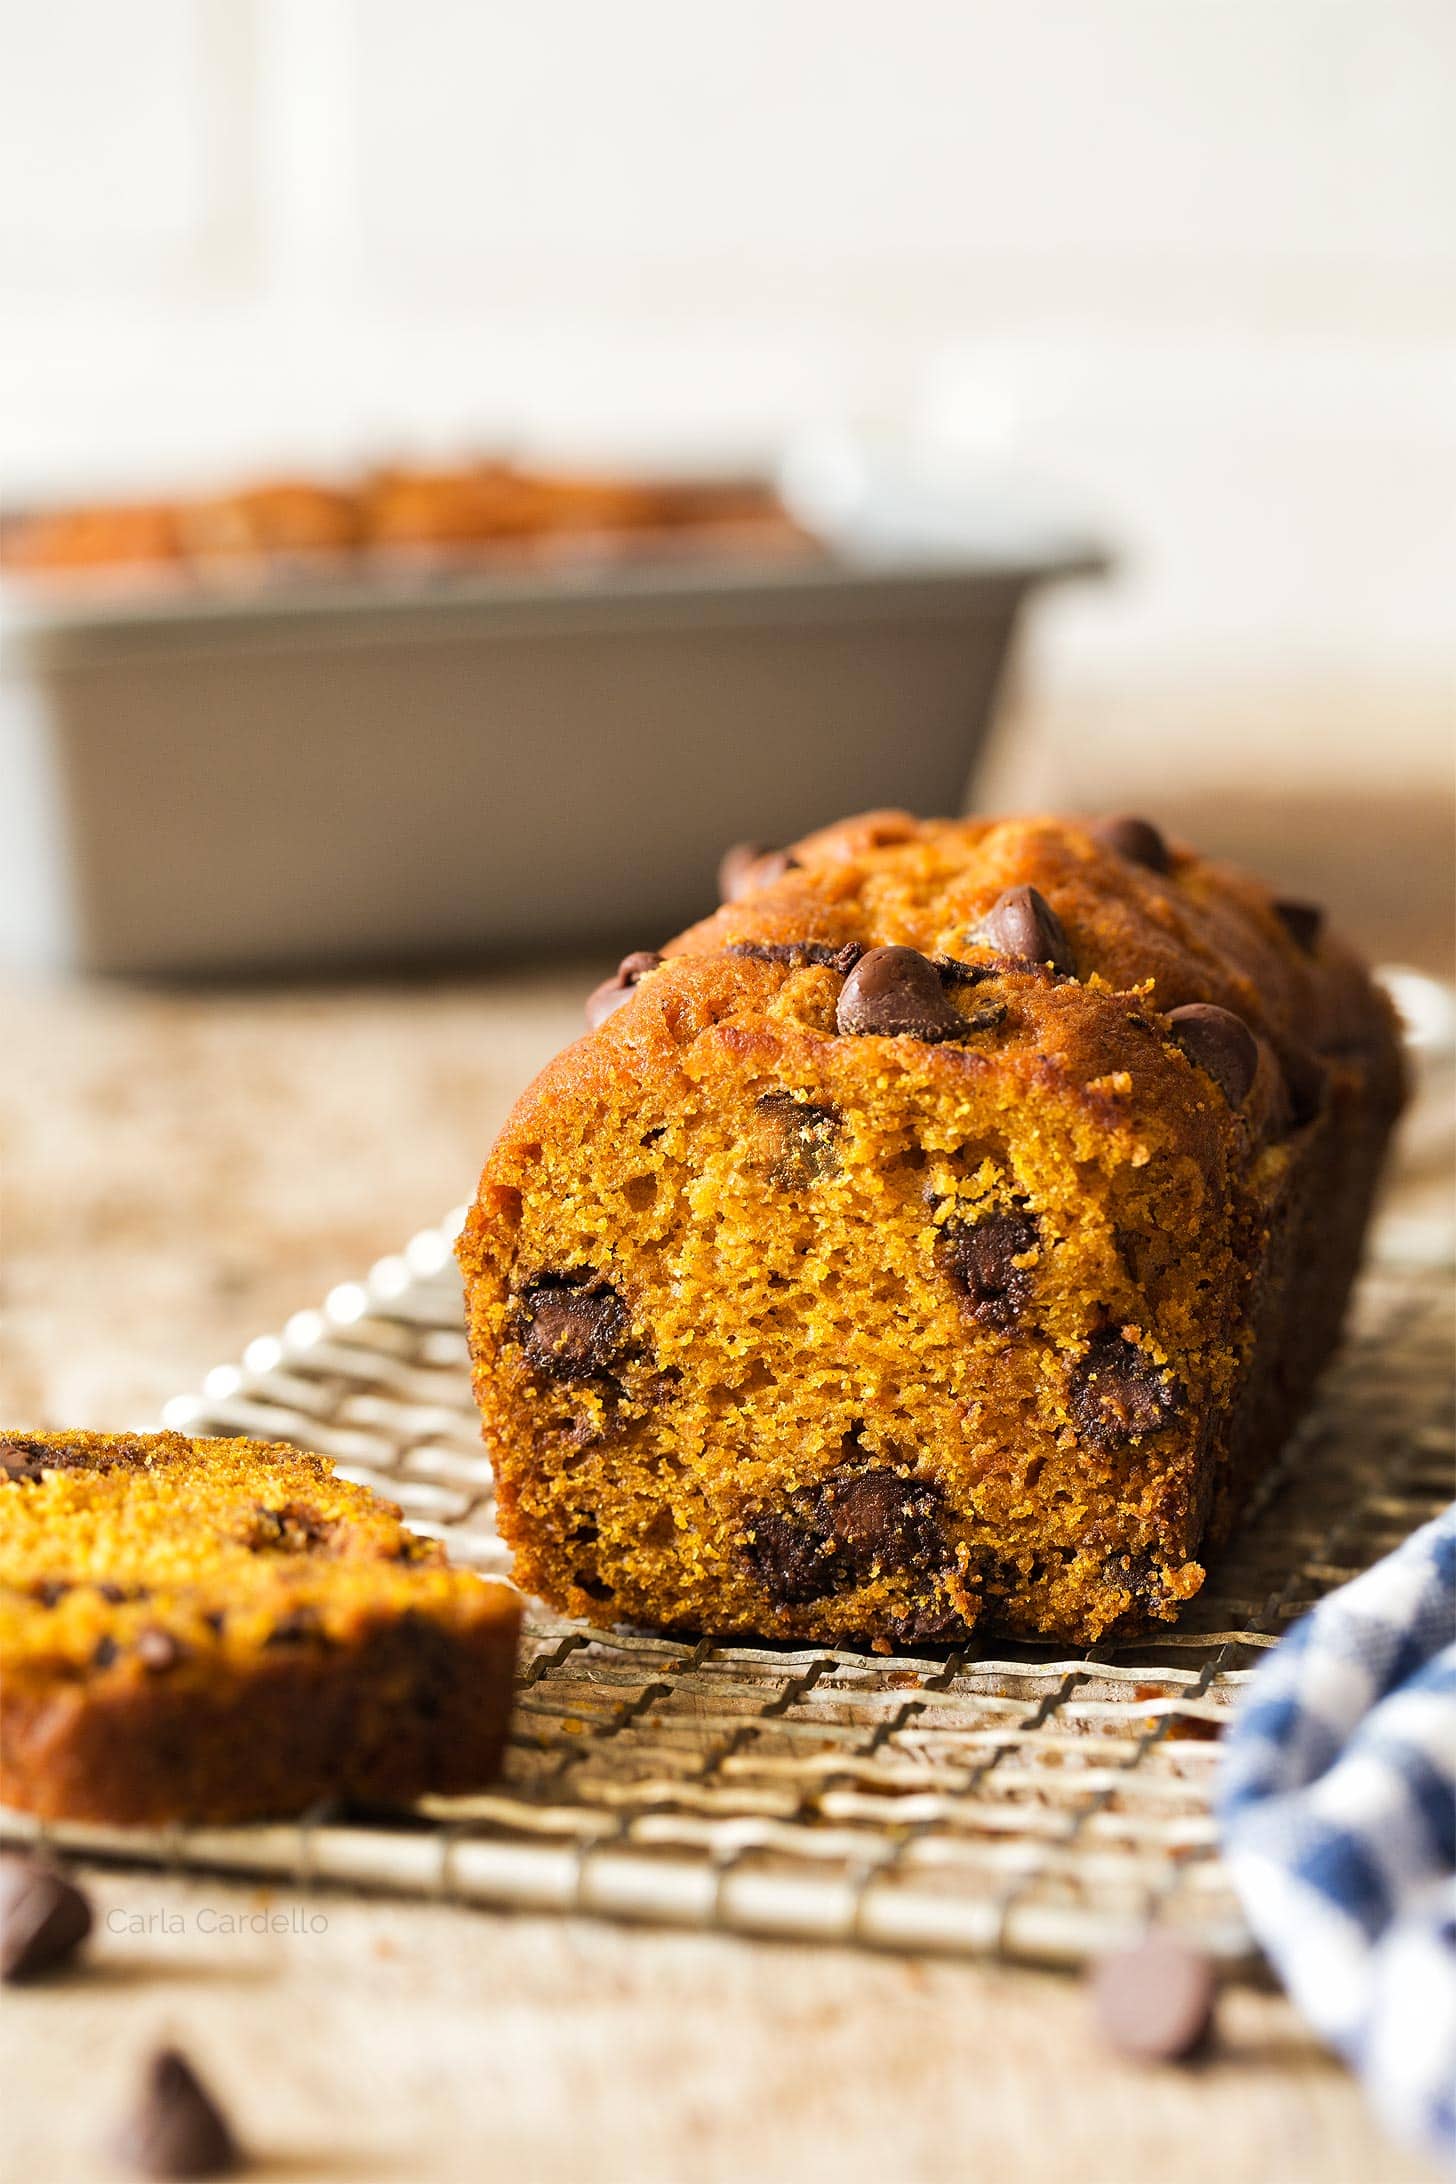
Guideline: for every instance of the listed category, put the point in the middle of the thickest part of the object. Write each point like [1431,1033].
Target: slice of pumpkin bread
[221,1630]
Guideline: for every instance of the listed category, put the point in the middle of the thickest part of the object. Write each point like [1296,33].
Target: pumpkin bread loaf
[943,1234]
[223,1630]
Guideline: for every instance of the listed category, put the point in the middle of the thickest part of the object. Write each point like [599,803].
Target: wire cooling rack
[1002,1798]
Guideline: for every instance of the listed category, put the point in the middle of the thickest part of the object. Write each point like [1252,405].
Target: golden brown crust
[223,1630]
[1005,1317]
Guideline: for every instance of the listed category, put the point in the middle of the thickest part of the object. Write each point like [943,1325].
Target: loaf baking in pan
[222,1630]
[946,1233]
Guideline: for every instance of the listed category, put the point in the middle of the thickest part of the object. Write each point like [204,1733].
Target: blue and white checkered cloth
[1338,1817]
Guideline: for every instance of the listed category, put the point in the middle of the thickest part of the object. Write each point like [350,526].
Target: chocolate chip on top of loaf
[223,1630]
[945,1232]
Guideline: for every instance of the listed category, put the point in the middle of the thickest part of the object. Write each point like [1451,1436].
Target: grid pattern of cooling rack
[1005,1798]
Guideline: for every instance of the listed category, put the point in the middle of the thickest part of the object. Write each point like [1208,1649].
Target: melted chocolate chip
[893,993]
[44,1918]
[1138,840]
[802,954]
[1219,1042]
[1118,1393]
[176,2128]
[747,866]
[880,1520]
[935,1625]
[979,1258]
[573,1327]
[613,991]
[1021,923]
[793,1563]
[955,973]
[1155,2001]
[855,1526]
[802,1137]
[1303,921]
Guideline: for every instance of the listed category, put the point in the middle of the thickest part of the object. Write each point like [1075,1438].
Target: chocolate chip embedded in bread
[572,1329]
[1138,840]
[1155,2001]
[1118,1393]
[1219,1042]
[1303,921]
[882,1520]
[176,2128]
[793,1563]
[44,1918]
[799,1137]
[1021,923]
[613,991]
[896,993]
[748,866]
[980,1259]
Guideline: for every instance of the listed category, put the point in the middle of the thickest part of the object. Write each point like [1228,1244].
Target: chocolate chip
[933,1625]
[801,1139]
[747,866]
[44,1918]
[104,1652]
[177,2128]
[113,1594]
[955,973]
[881,1520]
[1219,1042]
[1155,2001]
[979,1258]
[294,1529]
[1303,921]
[158,1650]
[893,993]
[573,1328]
[613,991]
[1021,923]
[1138,840]
[801,953]
[793,1563]
[1118,1393]
[299,1627]
[50,1590]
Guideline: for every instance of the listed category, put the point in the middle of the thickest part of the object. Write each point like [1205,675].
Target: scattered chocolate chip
[881,1520]
[802,954]
[613,991]
[50,1590]
[1138,840]
[297,1628]
[1155,2001]
[793,1563]
[1021,923]
[158,1650]
[176,2128]
[214,1619]
[573,1328]
[1303,921]
[979,1257]
[113,1594]
[893,993]
[1142,1578]
[1118,1393]
[747,866]
[1219,1042]
[44,1918]
[104,1653]
[801,1137]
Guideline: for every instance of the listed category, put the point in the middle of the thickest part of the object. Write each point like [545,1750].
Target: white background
[1193,262]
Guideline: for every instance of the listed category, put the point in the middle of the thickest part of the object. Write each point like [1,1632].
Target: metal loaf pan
[397,768]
